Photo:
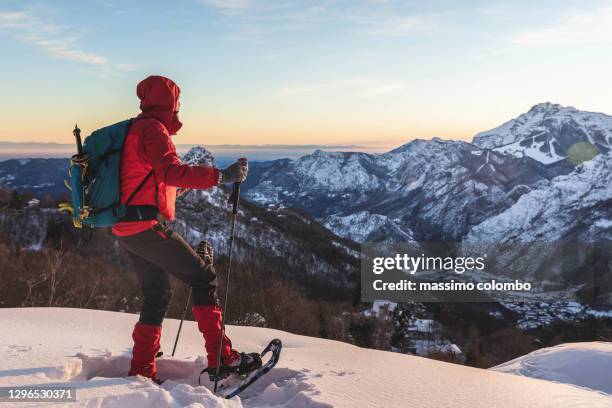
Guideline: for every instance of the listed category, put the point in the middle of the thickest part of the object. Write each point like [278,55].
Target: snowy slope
[547,132]
[82,347]
[584,364]
[364,226]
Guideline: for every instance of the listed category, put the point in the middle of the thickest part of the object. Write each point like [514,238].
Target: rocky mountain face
[576,207]
[424,190]
[364,226]
[551,133]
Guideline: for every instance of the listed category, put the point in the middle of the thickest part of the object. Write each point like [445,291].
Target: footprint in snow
[20,349]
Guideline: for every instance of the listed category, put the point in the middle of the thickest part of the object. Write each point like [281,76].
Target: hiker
[150,174]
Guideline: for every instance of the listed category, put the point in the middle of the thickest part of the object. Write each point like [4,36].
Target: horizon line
[219,146]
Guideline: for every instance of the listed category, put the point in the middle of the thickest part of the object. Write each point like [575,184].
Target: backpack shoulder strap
[137,189]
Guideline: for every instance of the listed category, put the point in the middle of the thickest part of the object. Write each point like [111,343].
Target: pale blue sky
[369,72]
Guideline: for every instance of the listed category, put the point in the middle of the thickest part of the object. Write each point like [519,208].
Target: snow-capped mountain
[430,190]
[198,155]
[320,182]
[549,133]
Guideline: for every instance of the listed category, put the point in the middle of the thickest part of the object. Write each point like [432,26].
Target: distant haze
[223,153]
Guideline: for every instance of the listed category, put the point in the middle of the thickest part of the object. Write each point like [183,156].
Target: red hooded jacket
[148,147]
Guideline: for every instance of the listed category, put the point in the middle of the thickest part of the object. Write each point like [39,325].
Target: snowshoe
[234,383]
[242,364]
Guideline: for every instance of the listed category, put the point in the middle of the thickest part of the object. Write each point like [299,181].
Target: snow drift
[584,364]
[90,350]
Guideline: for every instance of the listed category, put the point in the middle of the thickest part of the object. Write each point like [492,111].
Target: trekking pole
[178,333]
[233,199]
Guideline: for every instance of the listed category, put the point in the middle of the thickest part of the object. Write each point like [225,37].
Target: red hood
[159,99]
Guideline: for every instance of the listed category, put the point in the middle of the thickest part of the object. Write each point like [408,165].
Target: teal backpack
[94,181]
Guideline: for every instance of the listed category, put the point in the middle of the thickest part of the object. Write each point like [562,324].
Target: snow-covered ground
[90,350]
[585,364]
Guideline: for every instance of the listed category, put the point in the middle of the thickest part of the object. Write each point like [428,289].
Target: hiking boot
[232,361]
[236,363]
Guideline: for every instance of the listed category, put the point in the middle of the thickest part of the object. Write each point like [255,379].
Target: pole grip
[77,135]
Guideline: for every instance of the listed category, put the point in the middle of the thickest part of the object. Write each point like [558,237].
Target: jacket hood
[159,98]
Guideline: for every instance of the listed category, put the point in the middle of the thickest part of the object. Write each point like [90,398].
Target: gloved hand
[236,172]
